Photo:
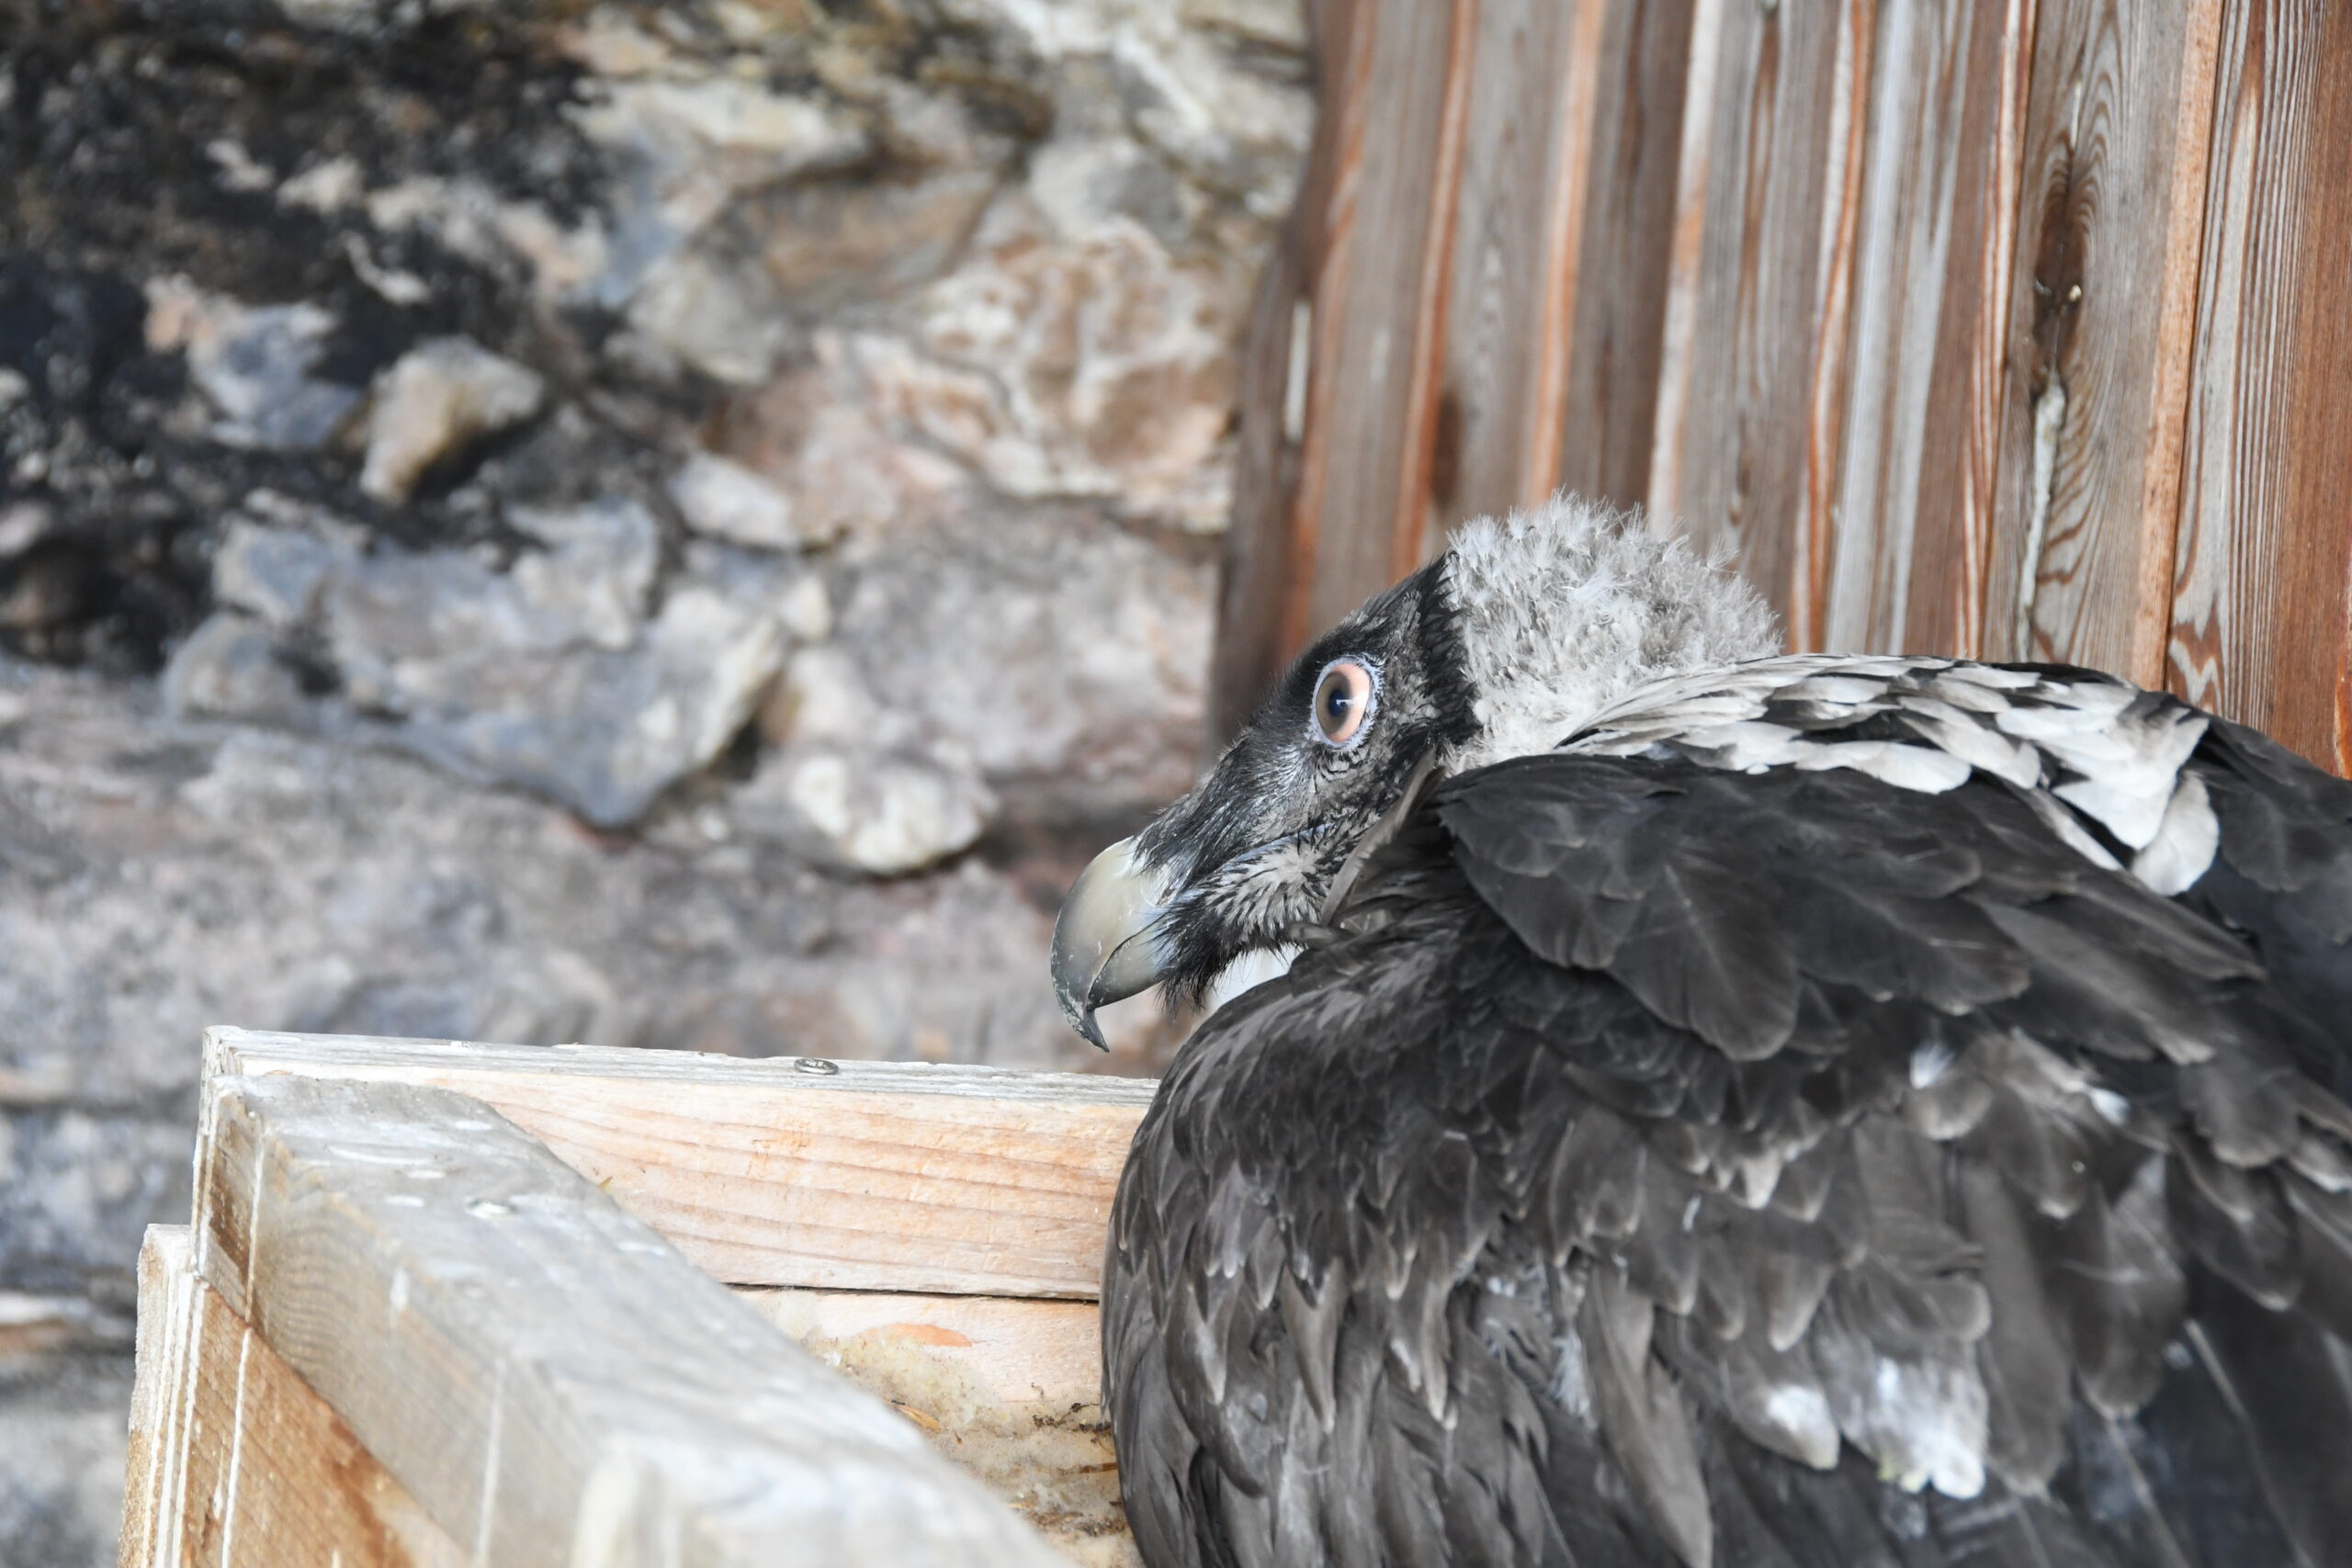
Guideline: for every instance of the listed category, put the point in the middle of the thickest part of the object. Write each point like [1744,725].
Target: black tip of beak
[1082,1018]
[1102,945]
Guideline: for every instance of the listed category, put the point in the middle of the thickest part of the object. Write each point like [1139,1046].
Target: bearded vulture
[1724,1110]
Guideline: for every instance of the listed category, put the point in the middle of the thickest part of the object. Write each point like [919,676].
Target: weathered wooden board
[2100,322]
[1985,328]
[867,1175]
[1514,228]
[1606,299]
[1912,530]
[1378,307]
[1750,390]
[2262,605]
[1010,1391]
[548,1380]
[1048,1353]
[1278,396]
[235,1462]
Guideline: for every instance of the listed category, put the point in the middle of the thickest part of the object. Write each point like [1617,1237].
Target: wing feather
[1669,1166]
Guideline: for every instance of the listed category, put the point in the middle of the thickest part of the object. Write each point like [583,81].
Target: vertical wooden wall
[2016,329]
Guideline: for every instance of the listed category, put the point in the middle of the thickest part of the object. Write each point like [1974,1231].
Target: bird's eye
[1342,702]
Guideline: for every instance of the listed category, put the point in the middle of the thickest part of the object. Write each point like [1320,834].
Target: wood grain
[1279,387]
[2263,588]
[1010,1390]
[1610,281]
[1515,223]
[1750,398]
[235,1462]
[1930,299]
[876,1175]
[2100,329]
[549,1380]
[1370,395]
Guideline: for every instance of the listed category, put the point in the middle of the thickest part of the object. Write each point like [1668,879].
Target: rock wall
[665,523]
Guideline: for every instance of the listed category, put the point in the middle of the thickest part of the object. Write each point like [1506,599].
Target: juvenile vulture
[1726,1110]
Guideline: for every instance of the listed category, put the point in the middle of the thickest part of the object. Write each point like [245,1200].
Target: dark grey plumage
[1693,1146]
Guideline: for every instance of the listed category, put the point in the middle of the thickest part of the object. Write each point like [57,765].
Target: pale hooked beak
[1105,946]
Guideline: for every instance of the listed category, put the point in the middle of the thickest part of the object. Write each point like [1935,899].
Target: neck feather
[1563,608]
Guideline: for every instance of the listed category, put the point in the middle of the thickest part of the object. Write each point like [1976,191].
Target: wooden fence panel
[1253,598]
[1611,305]
[1911,537]
[1969,326]
[1748,394]
[2262,597]
[1378,305]
[1530,117]
[2100,322]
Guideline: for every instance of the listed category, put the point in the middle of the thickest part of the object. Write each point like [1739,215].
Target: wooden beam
[1751,384]
[1010,1391]
[1932,278]
[1279,389]
[2261,625]
[865,1176]
[234,1462]
[1019,1351]
[1378,307]
[1607,282]
[549,1380]
[1517,221]
[2101,330]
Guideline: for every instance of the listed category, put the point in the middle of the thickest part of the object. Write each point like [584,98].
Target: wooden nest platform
[446,1303]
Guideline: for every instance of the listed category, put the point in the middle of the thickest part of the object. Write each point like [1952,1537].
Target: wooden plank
[2100,329]
[2264,561]
[1010,1391]
[247,1467]
[1919,468]
[1749,392]
[1277,384]
[158,1397]
[1514,225]
[1612,272]
[868,1176]
[1378,307]
[550,1381]
[1017,1350]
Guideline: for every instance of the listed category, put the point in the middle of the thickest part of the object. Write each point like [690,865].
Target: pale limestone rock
[595,574]
[726,501]
[232,667]
[274,573]
[837,243]
[436,400]
[887,812]
[724,320]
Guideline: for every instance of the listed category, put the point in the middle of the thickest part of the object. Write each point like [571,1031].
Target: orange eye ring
[1343,702]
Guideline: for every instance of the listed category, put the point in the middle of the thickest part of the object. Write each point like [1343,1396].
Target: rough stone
[868,808]
[253,364]
[436,398]
[274,573]
[62,1457]
[234,667]
[726,501]
[543,676]
[1064,654]
[467,411]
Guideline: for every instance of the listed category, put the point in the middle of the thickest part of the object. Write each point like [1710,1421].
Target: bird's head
[1502,646]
